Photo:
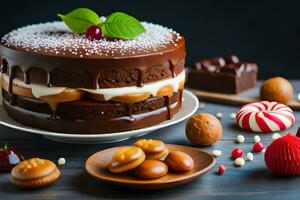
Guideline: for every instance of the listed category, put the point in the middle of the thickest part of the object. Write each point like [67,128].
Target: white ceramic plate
[189,107]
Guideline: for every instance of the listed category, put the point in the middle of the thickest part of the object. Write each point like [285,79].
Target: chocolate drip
[3,65]
[49,79]
[53,116]
[26,77]
[172,68]
[10,80]
[168,106]
[95,80]
[142,73]
[11,74]
[130,115]
[180,97]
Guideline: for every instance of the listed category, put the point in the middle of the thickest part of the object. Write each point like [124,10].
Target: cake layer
[89,116]
[50,54]
[88,108]
[130,94]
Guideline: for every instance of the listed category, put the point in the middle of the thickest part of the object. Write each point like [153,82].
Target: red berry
[237,153]
[258,147]
[9,158]
[222,169]
[93,33]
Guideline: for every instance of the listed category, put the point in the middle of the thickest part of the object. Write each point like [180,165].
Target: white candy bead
[250,156]
[201,105]
[219,115]
[240,162]
[233,116]
[61,161]
[216,153]
[275,136]
[257,138]
[298,96]
[240,139]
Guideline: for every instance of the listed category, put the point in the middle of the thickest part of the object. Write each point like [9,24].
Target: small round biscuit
[158,156]
[150,146]
[151,169]
[34,173]
[125,159]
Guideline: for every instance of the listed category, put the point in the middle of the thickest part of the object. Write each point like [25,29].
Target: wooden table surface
[253,181]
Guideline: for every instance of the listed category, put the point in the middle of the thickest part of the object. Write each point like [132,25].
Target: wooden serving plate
[97,163]
[245,97]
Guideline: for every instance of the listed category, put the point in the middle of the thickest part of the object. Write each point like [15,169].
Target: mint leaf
[80,19]
[123,26]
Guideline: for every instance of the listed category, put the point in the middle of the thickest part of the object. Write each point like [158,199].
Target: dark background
[261,31]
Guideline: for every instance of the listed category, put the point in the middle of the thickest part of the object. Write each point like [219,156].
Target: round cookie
[126,158]
[154,149]
[158,156]
[276,89]
[34,173]
[203,129]
[151,169]
[179,161]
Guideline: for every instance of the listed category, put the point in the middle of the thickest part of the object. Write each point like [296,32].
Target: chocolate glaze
[227,64]
[225,74]
[91,68]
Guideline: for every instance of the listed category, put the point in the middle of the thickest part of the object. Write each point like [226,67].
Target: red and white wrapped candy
[265,116]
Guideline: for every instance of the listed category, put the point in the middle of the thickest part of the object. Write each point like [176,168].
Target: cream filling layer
[108,93]
[152,88]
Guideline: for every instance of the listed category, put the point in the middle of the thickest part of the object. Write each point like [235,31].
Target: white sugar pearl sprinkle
[299,97]
[275,136]
[239,162]
[61,161]
[250,156]
[240,139]
[233,116]
[201,105]
[257,138]
[216,153]
[219,115]
[55,38]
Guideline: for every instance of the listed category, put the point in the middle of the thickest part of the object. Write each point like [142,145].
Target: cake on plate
[61,81]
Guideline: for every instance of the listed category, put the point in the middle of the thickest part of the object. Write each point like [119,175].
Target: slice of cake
[60,81]
[223,75]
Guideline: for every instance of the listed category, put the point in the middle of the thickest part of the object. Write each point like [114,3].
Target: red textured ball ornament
[282,156]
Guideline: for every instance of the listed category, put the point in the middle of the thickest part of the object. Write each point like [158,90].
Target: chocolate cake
[223,75]
[57,80]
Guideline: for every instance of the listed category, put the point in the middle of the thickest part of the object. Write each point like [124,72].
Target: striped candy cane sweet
[265,116]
